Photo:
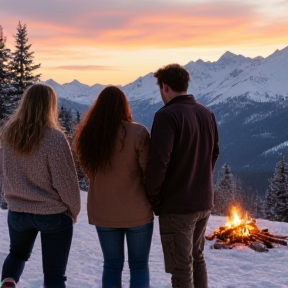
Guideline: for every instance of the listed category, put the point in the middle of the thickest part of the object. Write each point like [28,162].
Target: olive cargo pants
[183,239]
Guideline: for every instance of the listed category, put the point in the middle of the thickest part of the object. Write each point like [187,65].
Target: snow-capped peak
[259,79]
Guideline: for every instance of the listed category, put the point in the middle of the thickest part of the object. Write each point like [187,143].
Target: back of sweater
[43,181]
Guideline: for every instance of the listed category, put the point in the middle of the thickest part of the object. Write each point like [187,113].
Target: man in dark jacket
[179,176]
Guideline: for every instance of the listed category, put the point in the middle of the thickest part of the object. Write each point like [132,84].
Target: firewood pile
[245,232]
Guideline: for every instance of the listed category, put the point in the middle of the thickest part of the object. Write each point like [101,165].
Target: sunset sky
[116,41]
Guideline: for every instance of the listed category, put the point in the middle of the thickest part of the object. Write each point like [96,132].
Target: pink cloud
[145,24]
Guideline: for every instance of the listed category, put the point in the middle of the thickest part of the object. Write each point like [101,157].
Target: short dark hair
[173,75]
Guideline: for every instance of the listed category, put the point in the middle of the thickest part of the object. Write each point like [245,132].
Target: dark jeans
[56,235]
[183,239]
[138,243]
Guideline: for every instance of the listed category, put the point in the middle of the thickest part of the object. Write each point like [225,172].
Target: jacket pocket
[168,245]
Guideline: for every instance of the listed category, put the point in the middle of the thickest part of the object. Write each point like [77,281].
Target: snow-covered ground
[236,268]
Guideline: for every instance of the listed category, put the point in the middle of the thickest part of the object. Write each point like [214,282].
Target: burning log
[265,232]
[244,231]
[267,243]
[210,237]
[271,239]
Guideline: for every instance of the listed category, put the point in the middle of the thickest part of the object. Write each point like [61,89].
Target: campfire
[244,231]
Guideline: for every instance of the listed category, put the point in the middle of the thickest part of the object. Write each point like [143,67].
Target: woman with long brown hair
[40,186]
[113,152]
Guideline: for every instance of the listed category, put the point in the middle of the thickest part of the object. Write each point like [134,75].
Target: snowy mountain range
[248,96]
[260,79]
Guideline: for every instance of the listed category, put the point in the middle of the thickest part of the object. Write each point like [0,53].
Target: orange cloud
[84,68]
[96,35]
[154,25]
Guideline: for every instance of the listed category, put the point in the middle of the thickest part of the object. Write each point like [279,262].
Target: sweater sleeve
[162,141]
[63,174]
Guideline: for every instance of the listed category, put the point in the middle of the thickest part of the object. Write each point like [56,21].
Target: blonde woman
[40,186]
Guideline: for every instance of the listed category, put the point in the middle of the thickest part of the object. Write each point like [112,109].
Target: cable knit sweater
[43,181]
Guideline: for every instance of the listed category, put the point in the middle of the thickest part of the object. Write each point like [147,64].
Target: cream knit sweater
[44,181]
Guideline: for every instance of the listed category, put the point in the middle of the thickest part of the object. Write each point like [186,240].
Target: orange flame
[240,225]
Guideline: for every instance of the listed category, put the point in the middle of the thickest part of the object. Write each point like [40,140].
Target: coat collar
[182,98]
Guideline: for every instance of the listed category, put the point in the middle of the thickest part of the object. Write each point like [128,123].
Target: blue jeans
[138,243]
[56,235]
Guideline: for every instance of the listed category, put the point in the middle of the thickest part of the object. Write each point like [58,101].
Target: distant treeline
[231,192]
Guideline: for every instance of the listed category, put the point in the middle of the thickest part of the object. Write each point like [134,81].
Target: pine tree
[258,206]
[270,201]
[252,203]
[78,116]
[4,80]
[6,76]
[5,57]
[67,122]
[281,206]
[276,201]
[225,191]
[22,63]
[83,180]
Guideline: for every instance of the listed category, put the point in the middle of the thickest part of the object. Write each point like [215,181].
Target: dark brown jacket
[184,148]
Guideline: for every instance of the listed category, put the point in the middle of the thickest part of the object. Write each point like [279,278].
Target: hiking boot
[8,283]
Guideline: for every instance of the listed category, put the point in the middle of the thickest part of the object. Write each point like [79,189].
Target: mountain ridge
[260,79]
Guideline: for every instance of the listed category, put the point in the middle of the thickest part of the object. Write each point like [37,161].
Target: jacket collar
[182,98]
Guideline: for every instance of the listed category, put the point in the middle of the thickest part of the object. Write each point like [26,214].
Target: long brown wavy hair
[37,110]
[96,134]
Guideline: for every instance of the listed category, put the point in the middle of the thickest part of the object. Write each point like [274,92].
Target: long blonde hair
[37,110]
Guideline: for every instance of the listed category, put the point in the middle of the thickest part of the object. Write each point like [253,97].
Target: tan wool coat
[117,198]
